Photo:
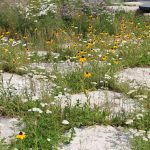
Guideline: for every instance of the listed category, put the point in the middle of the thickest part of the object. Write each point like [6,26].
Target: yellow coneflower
[147,26]
[78,55]
[131,22]
[116,42]
[74,45]
[1,36]
[5,50]
[112,50]
[49,42]
[11,40]
[90,17]
[104,58]
[82,52]
[115,46]
[25,37]
[128,36]
[87,74]
[89,45]
[116,61]
[82,59]
[7,33]
[14,61]
[21,136]
[90,27]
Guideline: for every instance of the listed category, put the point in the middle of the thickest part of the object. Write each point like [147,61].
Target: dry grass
[13,2]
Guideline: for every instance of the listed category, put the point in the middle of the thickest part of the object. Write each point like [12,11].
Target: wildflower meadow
[74,75]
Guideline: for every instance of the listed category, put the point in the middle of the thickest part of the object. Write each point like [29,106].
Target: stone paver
[24,85]
[99,138]
[8,128]
[135,76]
[113,101]
[122,8]
[62,67]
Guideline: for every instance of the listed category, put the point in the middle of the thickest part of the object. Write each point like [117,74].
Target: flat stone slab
[123,8]
[99,138]
[113,101]
[62,67]
[8,128]
[147,14]
[135,76]
[132,3]
[24,85]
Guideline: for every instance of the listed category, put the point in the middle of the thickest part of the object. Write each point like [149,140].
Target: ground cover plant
[76,48]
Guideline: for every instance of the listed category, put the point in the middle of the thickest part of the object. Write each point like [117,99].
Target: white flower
[131,136]
[48,139]
[145,139]
[130,121]
[52,103]
[48,112]
[14,43]
[137,134]
[139,116]
[4,39]
[65,122]
[43,104]
[94,83]
[141,96]
[141,132]
[133,131]
[53,76]
[131,91]
[109,64]
[107,76]
[36,110]
[148,135]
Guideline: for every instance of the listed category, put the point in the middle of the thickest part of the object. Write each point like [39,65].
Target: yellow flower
[112,50]
[5,50]
[11,40]
[87,74]
[7,33]
[20,136]
[115,46]
[1,36]
[82,59]
[90,27]
[90,17]
[116,42]
[82,52]
[89,45]
[104,58]
[116,61]
[49,42]
[25,37]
